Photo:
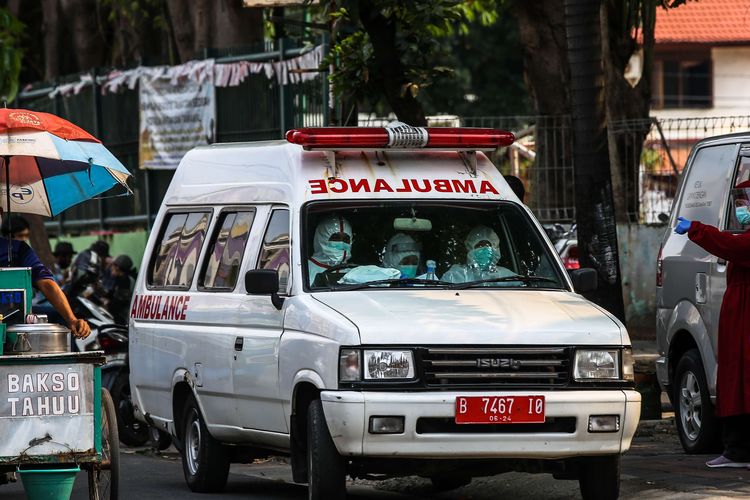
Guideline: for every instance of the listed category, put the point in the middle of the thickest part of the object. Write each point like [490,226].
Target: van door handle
[238,343]
[721,262]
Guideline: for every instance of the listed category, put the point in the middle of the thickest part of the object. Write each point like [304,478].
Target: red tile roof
[704,21]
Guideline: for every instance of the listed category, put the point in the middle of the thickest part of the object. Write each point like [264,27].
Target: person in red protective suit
[733,378]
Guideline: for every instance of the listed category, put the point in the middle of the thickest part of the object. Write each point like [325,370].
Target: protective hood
[482,257]
[400,245]
[330,253]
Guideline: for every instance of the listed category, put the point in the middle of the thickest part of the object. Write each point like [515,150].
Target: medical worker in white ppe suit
[332,245]
[402,252]
[482,256]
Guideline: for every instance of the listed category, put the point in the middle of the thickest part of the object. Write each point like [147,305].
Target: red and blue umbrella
[48,164]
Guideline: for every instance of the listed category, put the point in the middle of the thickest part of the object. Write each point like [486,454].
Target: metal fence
[648,157]
[258,109]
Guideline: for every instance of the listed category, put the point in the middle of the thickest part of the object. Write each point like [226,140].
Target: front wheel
[599,477]
[697,426]
[104,477]
[132,431]
[205,462]
[326,469]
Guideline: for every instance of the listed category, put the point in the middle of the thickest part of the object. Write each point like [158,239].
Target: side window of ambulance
[743,174]
[706,188]
[173,264]
[275,252]
[225,251]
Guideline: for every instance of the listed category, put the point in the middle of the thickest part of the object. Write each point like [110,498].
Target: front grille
[556,425]
[495,367]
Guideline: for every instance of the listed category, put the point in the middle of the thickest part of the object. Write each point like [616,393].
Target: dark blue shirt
[24,256]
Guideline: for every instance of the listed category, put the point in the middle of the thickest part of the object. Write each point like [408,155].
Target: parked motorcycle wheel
[132,431]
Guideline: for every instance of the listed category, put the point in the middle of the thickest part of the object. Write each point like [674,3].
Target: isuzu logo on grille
[499,363]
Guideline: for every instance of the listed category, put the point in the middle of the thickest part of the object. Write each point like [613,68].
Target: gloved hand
[682,226]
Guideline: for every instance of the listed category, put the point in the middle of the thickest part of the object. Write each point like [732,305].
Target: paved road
[655,468]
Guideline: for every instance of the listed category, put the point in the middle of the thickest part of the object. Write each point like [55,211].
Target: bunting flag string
[288,71]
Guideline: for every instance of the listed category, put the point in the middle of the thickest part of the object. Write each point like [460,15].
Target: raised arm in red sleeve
[732,247]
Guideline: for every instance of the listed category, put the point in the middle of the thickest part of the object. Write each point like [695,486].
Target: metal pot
[40,338]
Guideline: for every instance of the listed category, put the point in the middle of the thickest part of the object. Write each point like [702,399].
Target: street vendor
[43,280]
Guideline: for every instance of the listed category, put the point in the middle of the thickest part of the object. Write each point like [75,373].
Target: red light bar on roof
[400,136]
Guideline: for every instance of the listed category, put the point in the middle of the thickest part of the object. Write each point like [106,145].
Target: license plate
[500,410]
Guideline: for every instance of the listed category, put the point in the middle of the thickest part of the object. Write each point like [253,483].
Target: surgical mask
[408,271]
[743,215]
[337,251]
[483,257]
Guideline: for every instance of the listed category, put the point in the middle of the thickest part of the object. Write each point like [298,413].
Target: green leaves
[421,28]
[11,31]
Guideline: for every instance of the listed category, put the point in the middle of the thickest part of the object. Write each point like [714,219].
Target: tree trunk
[235,25]
[382,33]
[88,43]
[202,26]
[597,229]
[181,23]
[627,107]
[541,26]
[51,35]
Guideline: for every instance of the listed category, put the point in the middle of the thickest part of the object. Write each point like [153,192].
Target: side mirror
[264,282]
[584,280]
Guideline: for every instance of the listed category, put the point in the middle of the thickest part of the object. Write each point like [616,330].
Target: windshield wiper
[393,281]
[522,279]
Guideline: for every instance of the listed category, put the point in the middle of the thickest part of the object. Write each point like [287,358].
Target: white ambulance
[372,302]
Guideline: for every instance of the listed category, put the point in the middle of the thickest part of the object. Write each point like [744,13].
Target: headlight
[349,366]
[592,365]
[388,364]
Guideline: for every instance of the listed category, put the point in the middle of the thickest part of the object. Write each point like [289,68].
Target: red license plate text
[500,409]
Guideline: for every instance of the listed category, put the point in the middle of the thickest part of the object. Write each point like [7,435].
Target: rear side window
[275,251]
[225,250]
[743,175]
[705,191]
[173,264]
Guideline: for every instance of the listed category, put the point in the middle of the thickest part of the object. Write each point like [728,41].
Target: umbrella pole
[7,201]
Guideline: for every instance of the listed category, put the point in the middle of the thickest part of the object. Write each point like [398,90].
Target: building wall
[131,244]
[731,93]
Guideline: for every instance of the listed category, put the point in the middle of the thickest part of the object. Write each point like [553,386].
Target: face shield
[402,252]
[332,243]
[482,247]
[741,202]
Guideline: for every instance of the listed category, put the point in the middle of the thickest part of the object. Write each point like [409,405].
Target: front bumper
[348,414]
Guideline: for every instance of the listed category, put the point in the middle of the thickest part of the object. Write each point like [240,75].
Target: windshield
[402,244]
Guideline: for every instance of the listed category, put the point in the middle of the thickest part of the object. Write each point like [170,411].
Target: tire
[326,469]
[448,483]
[132,431]
[599,477]
[161,439]
[205,461]
[104,477]
[697,426]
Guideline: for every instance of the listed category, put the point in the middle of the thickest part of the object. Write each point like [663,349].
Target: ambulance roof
[280,172]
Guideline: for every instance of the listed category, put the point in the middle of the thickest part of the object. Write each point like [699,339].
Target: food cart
[55,418]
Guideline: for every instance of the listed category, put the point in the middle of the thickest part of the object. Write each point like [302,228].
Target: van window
[706,188]
[743,175]
[225,250]
[275,252]
[173,265]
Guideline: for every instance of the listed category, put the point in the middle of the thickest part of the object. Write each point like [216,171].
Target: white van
[471,355]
